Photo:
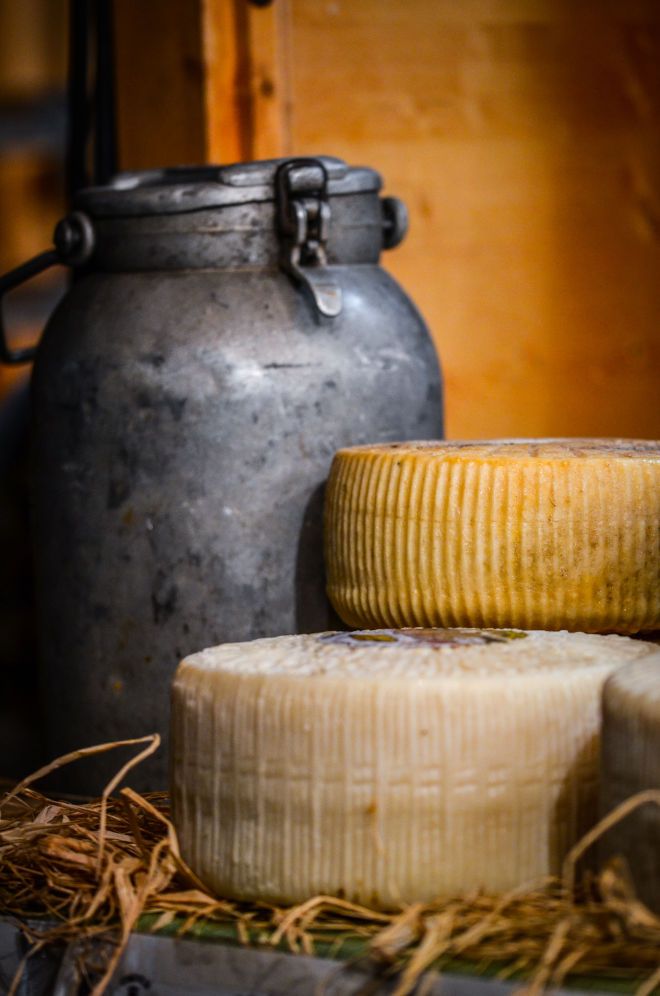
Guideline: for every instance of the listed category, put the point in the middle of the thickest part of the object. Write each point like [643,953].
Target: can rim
[180,189]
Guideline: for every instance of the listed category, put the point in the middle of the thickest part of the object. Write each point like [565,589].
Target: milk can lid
[190,188]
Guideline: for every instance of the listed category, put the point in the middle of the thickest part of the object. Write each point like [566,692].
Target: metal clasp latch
[303,221]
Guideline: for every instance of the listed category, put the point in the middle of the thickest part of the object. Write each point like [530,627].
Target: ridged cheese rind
[547,534]
[631,764]
[387,772]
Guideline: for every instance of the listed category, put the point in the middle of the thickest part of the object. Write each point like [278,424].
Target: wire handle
[74,244]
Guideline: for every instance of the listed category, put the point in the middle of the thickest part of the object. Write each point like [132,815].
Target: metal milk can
[228,328]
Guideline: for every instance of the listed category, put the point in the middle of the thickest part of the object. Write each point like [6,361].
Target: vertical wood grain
[162,112]
[201,81]
[269,56]
[525,139]
[524,136]
[228,117]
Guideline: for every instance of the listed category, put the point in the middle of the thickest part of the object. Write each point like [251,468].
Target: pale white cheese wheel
[388,766]
[630,764]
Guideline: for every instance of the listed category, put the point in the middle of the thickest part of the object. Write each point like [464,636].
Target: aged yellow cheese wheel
[547,534]
[631,764]
[388,766]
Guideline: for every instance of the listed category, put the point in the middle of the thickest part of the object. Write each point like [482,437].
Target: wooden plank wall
[33,36]
[524,136]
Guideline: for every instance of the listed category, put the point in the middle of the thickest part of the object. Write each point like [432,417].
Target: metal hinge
[303,221]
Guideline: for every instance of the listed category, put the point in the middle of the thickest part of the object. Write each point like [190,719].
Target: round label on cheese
[388,767]
[530,534]
[419,635]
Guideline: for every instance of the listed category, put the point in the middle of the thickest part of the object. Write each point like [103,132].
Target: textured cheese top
[435,655]
[520,449]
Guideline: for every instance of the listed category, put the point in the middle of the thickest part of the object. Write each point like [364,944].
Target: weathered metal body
[188,395]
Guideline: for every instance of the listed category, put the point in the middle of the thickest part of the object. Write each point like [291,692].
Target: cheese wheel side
[630,764]
[387,773]
[537,535]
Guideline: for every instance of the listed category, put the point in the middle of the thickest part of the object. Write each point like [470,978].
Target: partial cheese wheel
[547,534]
[630,764]
[388,766]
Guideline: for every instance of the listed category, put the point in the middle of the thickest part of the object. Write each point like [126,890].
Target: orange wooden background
[33,36]
[524,136]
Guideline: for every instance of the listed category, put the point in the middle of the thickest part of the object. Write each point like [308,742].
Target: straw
[95,868]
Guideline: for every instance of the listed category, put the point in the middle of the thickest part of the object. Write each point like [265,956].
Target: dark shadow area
[314,614]
[20,728]
[574,799]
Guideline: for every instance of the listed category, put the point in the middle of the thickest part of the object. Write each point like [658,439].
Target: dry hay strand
[94,868]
